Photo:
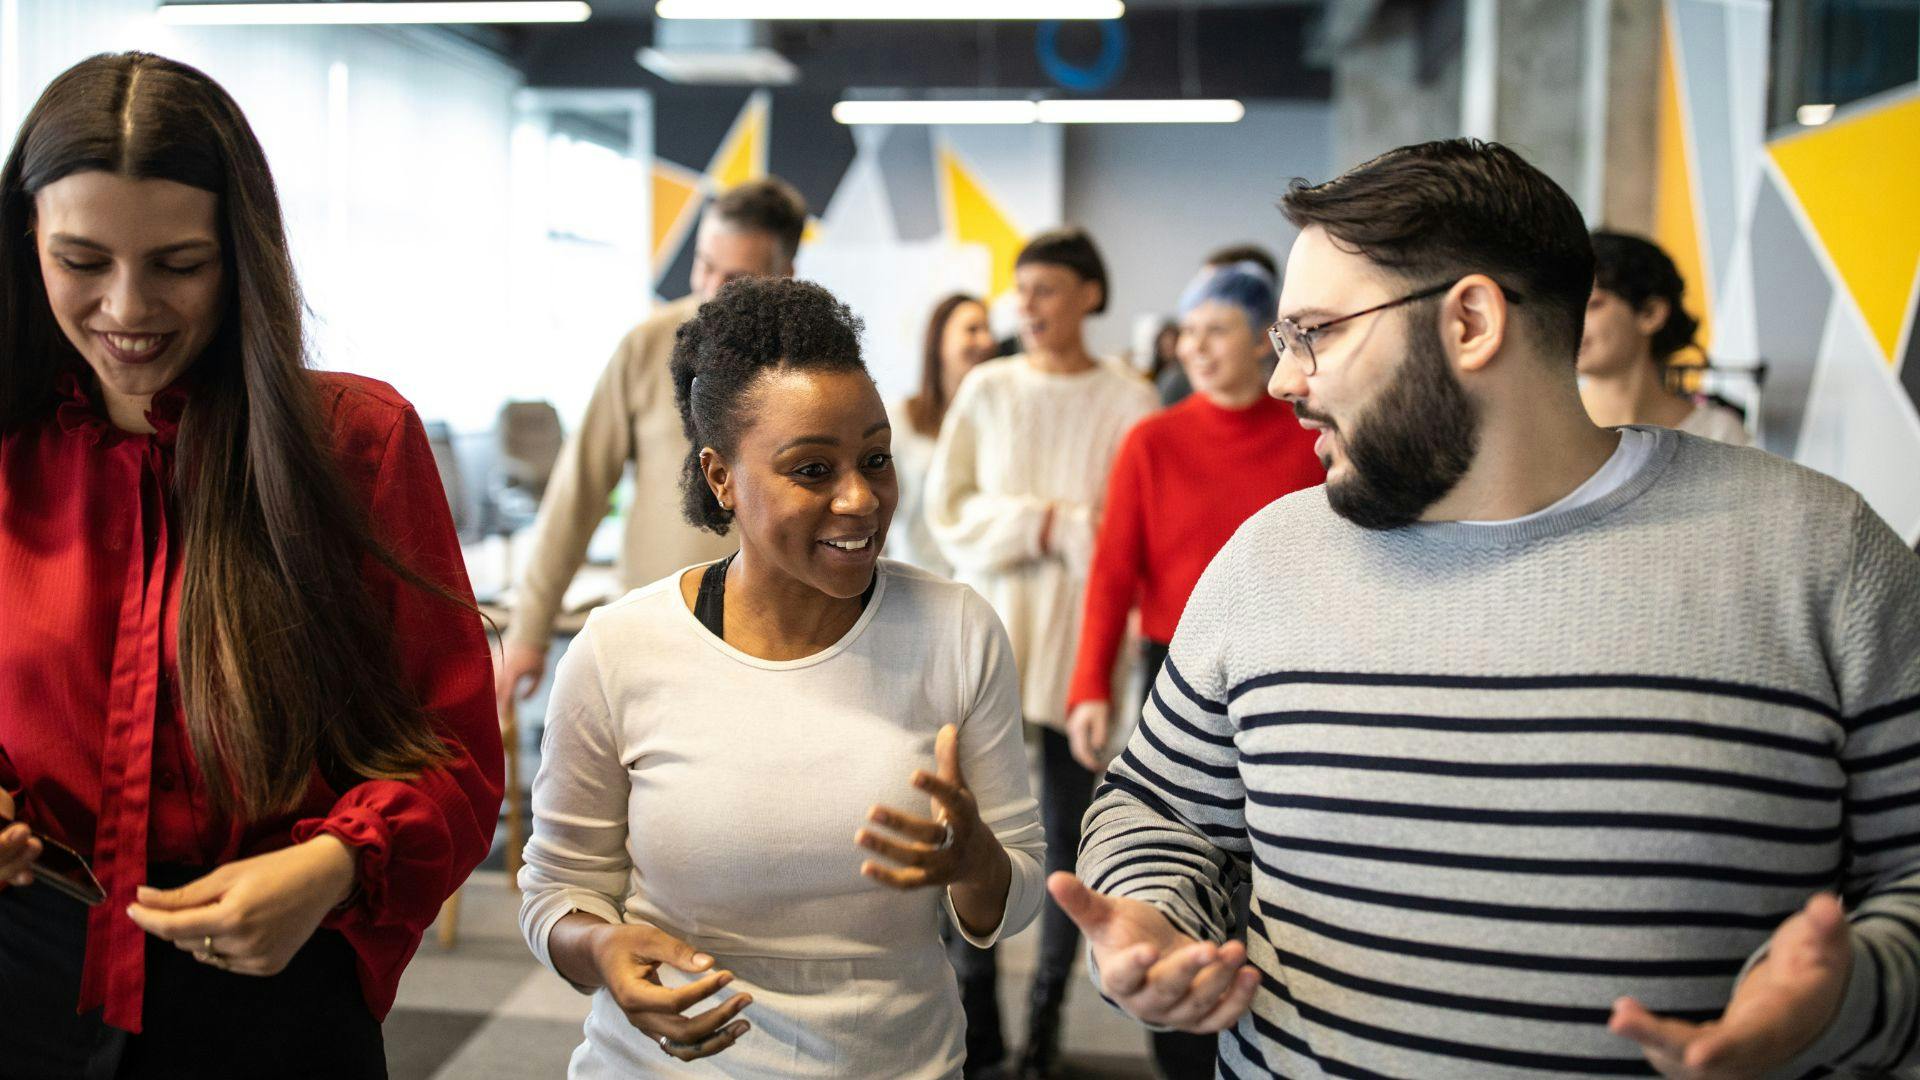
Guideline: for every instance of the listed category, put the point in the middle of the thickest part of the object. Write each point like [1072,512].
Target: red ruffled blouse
[93,741]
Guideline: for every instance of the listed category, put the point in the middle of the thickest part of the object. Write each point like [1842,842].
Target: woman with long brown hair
[958,340]
[242,677]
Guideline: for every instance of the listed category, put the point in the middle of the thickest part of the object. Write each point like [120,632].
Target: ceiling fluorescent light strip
[1118,111]
[831,10]
[935,112]
[376,14]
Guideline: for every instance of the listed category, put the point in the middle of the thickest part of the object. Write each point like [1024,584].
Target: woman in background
[1635,325]
[739,758]
[1013,498]
[957,340]
[242,676]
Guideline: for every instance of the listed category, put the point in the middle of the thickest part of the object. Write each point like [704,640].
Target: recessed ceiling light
[741,67]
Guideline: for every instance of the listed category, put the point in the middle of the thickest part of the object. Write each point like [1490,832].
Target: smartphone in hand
[62,869]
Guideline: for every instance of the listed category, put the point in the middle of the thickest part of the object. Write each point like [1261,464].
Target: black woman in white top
[765,778]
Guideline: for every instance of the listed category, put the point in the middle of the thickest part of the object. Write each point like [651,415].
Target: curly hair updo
[1637,271]
[753,327]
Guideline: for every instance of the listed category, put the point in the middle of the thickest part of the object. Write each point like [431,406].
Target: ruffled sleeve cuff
[367,833]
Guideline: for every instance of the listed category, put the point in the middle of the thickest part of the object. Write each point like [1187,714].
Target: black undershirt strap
[710,607]
[710,604]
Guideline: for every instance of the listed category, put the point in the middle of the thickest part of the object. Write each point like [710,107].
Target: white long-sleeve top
[1015,441]
[910,540]
[715,795]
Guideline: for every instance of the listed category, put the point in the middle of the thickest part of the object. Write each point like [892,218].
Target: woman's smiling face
[811,481]
[134,276]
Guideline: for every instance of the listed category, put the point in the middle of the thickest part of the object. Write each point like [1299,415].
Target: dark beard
[1412,445]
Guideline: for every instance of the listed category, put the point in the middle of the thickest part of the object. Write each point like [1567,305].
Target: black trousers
[1066,790]
[199,1022]
[1176,1054]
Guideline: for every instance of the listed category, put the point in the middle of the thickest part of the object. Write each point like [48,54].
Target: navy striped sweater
[1486,779]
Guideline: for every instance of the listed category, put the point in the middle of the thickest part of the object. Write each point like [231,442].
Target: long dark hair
[286,661]
[926,409]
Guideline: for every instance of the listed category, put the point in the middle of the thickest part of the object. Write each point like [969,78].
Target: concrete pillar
[1396,80]
[1413,70]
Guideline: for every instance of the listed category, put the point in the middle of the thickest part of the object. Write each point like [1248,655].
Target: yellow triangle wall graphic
[974,218]
[743,153]
[676,201]
[1861,193]
[1676,222]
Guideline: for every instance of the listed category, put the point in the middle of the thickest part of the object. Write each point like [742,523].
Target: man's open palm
[1156,973]
[1777,1011]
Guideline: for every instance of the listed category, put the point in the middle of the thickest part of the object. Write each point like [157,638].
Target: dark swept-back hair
[287,663]
[1236,253]
[768,205]
[928,408]
[1071,247]
[1440,210]
[1636,270]
[752,327]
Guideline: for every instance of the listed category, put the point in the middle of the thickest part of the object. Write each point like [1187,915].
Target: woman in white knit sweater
[1013,497]
[764,779]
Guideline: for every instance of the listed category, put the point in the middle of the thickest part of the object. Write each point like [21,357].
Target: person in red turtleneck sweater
[1183,481]
[241,674]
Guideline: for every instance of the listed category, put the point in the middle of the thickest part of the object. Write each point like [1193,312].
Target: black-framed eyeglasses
[1289,336]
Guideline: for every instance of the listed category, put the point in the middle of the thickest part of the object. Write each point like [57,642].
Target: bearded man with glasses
[1546,749]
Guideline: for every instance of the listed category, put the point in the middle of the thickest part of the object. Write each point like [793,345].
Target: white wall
[892,281]
[391,151]
[1158,198]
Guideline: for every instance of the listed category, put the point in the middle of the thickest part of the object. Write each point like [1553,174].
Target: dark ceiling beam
[1245,52]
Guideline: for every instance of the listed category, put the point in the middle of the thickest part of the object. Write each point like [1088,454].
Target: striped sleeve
[1877,662]
[1168,826]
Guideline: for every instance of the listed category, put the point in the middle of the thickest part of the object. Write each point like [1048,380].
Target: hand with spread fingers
[1779,1009]
[251,915]
[627,959]
[952,847]
[1149,968]
[18,848]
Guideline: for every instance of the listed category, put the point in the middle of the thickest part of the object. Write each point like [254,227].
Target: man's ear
[1473,322]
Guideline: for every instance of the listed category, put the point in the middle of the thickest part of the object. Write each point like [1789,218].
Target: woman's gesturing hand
[251,915]
[628,957]
[18,848]
[953,847]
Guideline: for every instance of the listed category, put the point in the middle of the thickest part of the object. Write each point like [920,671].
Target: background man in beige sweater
[753,229]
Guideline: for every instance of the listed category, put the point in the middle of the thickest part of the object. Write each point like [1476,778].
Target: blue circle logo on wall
[1083,78]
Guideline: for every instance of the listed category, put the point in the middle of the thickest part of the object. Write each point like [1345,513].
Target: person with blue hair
[1183,482]
[1171,381]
